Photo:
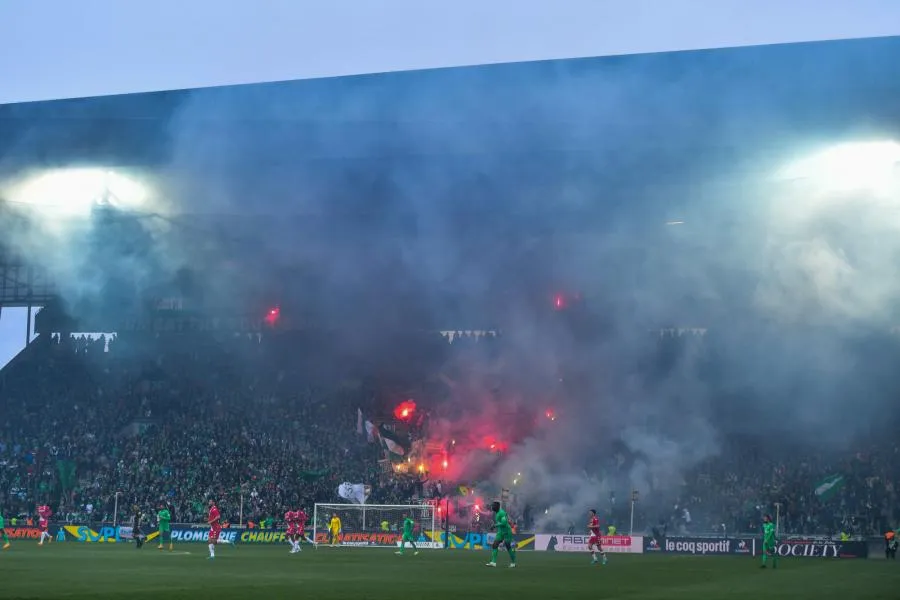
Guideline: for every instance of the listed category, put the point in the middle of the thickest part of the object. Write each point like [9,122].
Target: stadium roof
[539,150]
[687,114]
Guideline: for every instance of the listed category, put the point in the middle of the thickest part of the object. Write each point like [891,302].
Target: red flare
[405,410]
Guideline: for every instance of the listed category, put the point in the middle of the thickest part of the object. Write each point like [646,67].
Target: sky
[402,35]
[13,323]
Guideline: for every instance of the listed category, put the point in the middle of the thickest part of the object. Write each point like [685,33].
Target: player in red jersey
[215,527]
[596,539]
[300,520]
[44,514]
[290,521]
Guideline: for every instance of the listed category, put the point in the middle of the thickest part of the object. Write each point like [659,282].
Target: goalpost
[376,525]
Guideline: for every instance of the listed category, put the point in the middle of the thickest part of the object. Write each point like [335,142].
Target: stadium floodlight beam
[848,167]
[76,191]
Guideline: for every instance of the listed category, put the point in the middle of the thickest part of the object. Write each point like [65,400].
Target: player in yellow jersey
[334,527]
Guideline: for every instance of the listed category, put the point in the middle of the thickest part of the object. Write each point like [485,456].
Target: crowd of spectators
[732,491]
[96,426]
[94,432]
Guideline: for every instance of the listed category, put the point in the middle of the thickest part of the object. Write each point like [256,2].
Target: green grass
[72,570]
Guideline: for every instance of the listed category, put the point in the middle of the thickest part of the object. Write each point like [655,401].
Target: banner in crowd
[559,542]
[66,469]
[395,443]
[700,546]
[354,492]
[819,548]
[313,475]
[176,322]
[829,487]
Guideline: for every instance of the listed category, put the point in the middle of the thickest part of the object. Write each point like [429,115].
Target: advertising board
[559,542]
[699,546]
[819,548]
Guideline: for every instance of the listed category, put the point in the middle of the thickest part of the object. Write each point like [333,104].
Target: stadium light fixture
[76,191]
[848,167]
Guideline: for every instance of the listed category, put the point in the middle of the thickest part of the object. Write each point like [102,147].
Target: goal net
[376,525]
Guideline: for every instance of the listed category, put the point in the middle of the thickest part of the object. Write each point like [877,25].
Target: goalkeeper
[335,527]
[504,536]
[164,519]
[769,545]
[408,529]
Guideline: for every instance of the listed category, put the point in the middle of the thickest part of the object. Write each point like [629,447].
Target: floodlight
[849,167]
[75,191]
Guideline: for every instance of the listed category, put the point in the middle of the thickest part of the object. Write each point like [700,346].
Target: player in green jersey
[3,532]
[164,519]
[503,536]
[769,545]
[409,527]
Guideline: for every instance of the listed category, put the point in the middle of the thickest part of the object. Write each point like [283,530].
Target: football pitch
[71,570]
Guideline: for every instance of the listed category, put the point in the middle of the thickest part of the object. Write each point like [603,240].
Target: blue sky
[12,332]
[305,39]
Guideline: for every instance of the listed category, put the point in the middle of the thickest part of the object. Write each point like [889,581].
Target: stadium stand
[85,419]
